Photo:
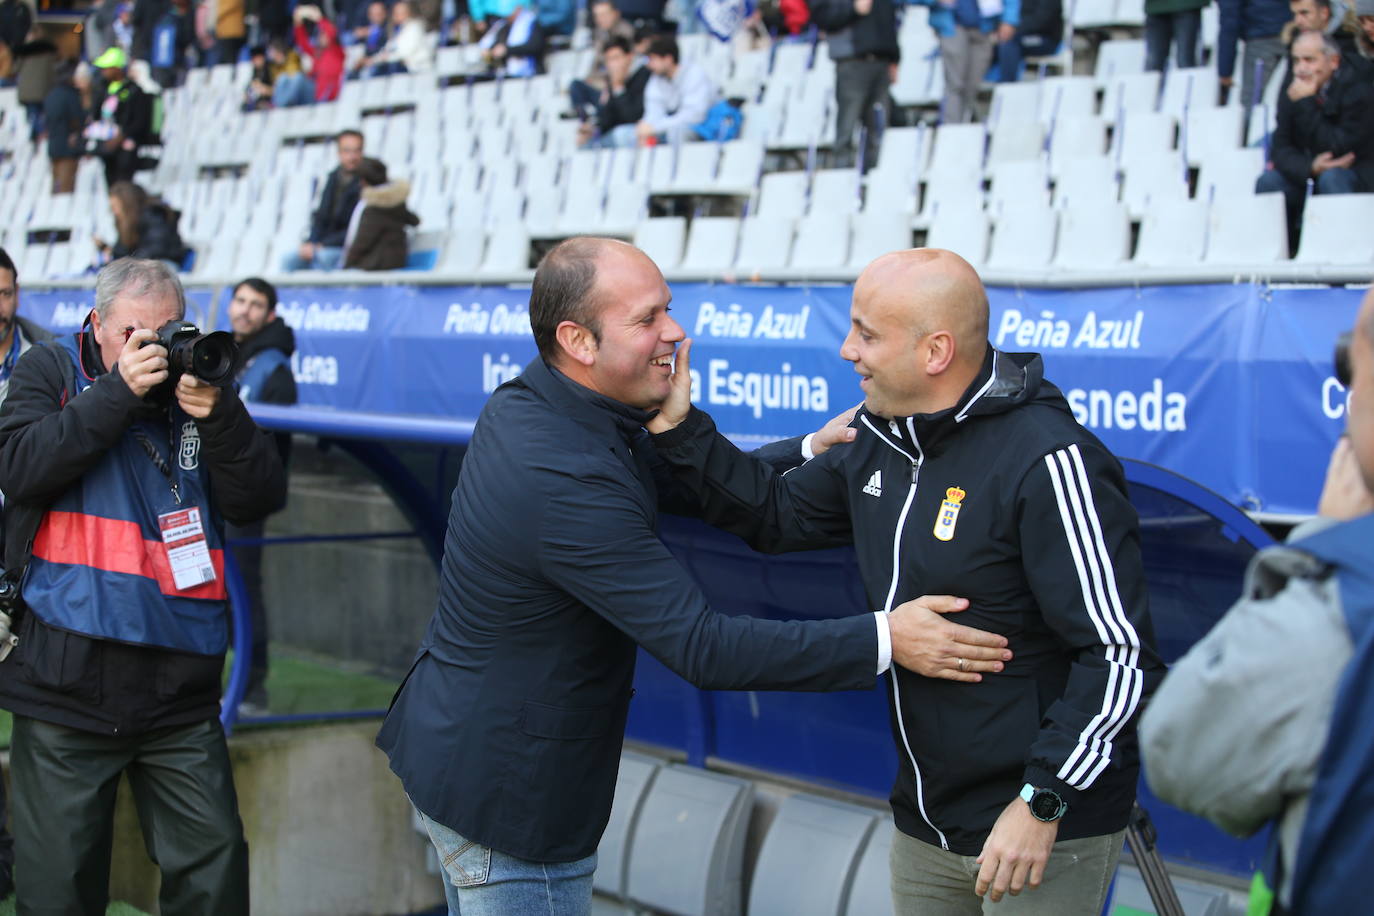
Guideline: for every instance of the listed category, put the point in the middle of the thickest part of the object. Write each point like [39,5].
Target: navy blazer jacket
[509,726]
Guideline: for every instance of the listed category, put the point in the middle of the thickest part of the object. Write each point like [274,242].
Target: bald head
[566,287]
[931,290]
[919,331]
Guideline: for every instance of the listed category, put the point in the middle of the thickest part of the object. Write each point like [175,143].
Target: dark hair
[620,43]
[257,51]
[372,172]
[6,263]
[664,46]
[564,290]
[348,132]
[644,33]
[262,287]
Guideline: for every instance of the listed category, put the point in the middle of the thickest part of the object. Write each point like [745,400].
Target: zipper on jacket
[887,608]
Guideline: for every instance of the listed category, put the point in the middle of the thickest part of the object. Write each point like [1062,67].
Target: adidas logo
[874,487]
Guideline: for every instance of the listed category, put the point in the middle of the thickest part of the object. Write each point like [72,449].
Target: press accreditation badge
[183,535]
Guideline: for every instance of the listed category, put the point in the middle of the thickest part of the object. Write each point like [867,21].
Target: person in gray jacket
[1238,729]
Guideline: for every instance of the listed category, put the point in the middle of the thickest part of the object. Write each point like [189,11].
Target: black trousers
[859,86]
[64,792]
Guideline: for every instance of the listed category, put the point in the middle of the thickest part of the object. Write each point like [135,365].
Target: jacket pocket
[540,720]
[59,661]
[181,676]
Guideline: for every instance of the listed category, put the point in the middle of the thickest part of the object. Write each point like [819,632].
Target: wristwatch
[1045,804]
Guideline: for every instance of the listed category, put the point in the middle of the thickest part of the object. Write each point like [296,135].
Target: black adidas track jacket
[1007,501]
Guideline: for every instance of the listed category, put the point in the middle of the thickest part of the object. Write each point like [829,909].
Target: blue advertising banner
[64,310]
[1230,385]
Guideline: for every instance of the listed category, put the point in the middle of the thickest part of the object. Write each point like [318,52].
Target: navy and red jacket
[88,657]
[1003,499]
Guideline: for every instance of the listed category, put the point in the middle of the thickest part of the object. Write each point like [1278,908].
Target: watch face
[1046,805]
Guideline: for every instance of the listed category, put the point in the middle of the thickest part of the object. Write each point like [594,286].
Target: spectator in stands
[863,44]
[1258,23]
[97,31]
[15,21]
[290,84]
[17,335]
[1325,130]
[1266,719]
[514,45]
[117,671]
[123,28]
[968,30]
[318,39]
[606,24]
[65,117]
[35,63]
[126,119]
[643,14]
[144,16]
[1365,16]
[376,31]
[678,95]
[351,17]
[1343,30]
[263,376]
[173,37]
[556,17]
[145,227]
[408,50]
[258,95]
[323,250]
[1176,23]
[377,233]
[620,106]
[1039,35]
[230,30]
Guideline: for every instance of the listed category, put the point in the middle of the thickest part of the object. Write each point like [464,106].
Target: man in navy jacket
[507,731]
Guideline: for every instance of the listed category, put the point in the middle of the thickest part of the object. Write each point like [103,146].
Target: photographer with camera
[121,458]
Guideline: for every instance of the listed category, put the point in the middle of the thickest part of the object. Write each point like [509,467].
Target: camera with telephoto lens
[1342,359]
[208,357]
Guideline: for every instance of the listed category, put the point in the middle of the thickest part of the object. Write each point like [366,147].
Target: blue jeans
[1182,29]
[325,259]
[293,89]
[480,881]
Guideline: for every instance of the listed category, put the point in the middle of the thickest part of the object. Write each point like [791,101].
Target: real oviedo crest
[949,514]
[189,456]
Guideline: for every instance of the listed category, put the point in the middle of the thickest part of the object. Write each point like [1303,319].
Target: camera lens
[212,358]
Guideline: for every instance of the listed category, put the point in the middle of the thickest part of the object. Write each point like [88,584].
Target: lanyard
[158,461]
[16,341]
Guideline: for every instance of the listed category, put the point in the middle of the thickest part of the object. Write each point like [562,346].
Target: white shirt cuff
[807,454]
[884,642]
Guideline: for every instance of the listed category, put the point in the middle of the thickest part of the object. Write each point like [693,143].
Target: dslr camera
[208,357]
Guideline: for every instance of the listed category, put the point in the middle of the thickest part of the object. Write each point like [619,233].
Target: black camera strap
[158,461]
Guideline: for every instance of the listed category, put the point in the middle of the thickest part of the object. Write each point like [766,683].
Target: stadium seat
[1024,239]
[808,860]
[711,243]
[1147,182]
[1018,184]
[1143,135]
[1017,141]
[1130,92]
[1188,89]
[1084,179]
[687,850]
[1172,234]
[783,194]
[870,893]
[1247,229]
[902,156]
[463,250]
[1208,132]
[822,242]
[962,230]
[1067,97]
[1092,14]
[877,232]
[765,243]
[1074,137]
[741,164]
[1093,236]
[683,168]
[957,153]
[626,205]
[1336,230]
[835,191]
[1230,174]
[508,248]
[1012,102]
[960,193]
[1118,58]
[662,238]
[636,776]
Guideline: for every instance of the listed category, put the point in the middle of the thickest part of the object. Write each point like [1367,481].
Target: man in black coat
[117,482]
[1325,131]
[863,44]
[324,249]
[507,731]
